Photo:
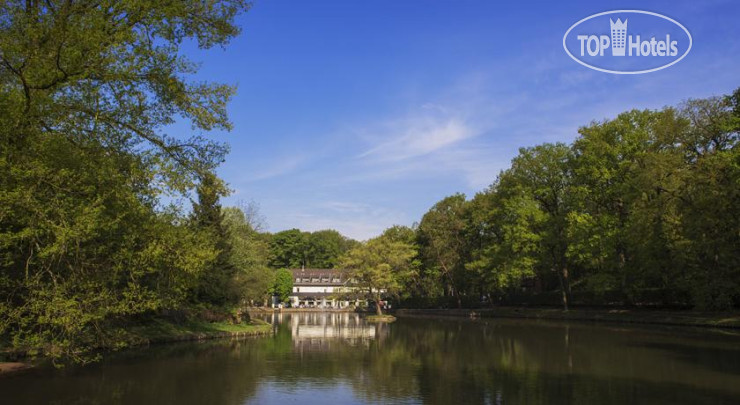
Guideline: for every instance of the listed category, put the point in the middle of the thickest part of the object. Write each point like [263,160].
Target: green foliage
[289,249]
[644,205]
[295,249]
[87,89]
[215,284]
[252,278]
[283,284]
[378,266]
[443,244]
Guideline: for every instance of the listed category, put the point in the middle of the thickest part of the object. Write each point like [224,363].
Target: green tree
[289,249]
[296,249]
[505,220]
[252,278]
[542,174]
[214,286]
[377,267]
[87,89]
[283,284]
[324,248]
[443,243]
[709,199]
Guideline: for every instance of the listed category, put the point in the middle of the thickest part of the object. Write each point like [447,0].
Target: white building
[322,288]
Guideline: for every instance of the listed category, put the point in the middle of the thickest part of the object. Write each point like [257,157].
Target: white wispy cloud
[278,167]
[418,135]
[357,220]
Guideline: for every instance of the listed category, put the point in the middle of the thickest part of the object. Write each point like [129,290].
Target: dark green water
[338,359]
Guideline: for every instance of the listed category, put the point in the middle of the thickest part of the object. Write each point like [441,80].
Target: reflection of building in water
[317,331]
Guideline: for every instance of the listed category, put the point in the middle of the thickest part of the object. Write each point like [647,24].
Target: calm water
[338,359]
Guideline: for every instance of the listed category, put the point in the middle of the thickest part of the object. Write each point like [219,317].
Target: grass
[159,330]
[380,318]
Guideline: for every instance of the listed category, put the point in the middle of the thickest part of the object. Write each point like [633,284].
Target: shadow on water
[337,358]
[719,359]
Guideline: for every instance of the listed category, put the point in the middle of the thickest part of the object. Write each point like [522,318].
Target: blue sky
[357,115]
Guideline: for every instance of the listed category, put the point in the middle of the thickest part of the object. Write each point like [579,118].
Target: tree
[541,173]
[87,90]
[214,286]
[505,241]
[324,248]
[377,266]
[296,249]
[709,199]
[252,278]
[283,284]
[443,244]
[289,249]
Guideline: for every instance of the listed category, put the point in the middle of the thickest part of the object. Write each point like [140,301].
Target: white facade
[321,288]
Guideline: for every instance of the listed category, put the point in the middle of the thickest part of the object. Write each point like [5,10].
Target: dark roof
[317,272]
[320,274]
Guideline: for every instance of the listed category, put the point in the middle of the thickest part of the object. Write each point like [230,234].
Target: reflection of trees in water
[187,373]
[435,361]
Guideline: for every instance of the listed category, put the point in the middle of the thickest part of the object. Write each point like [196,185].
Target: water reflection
[317,331]
[336,358]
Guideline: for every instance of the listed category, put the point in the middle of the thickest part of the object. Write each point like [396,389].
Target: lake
[337,358]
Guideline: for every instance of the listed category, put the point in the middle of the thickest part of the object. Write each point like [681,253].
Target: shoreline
[724,320]
[161,332]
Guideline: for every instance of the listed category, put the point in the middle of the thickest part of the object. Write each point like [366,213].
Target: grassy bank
[380,318]
[157,331]
[160,331]
[647,317]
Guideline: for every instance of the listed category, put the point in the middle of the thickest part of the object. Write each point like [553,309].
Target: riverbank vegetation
[640,210]
[110,219]
[89,243]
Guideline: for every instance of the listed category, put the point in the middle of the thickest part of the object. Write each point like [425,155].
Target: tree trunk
[564,287]
[378,310]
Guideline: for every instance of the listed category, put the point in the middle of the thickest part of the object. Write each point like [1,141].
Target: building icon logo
[619,36]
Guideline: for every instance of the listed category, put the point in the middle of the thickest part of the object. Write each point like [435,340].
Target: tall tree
[443,244]
[252,278]
[378,266]
[283,284]
[214,285]
[542,174]
[505,242]
[289,249]
[87,89]
[324,248]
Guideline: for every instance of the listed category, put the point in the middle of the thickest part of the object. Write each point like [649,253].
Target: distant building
[322,288]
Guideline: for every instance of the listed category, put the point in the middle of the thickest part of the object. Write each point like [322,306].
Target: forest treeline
[642,209]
